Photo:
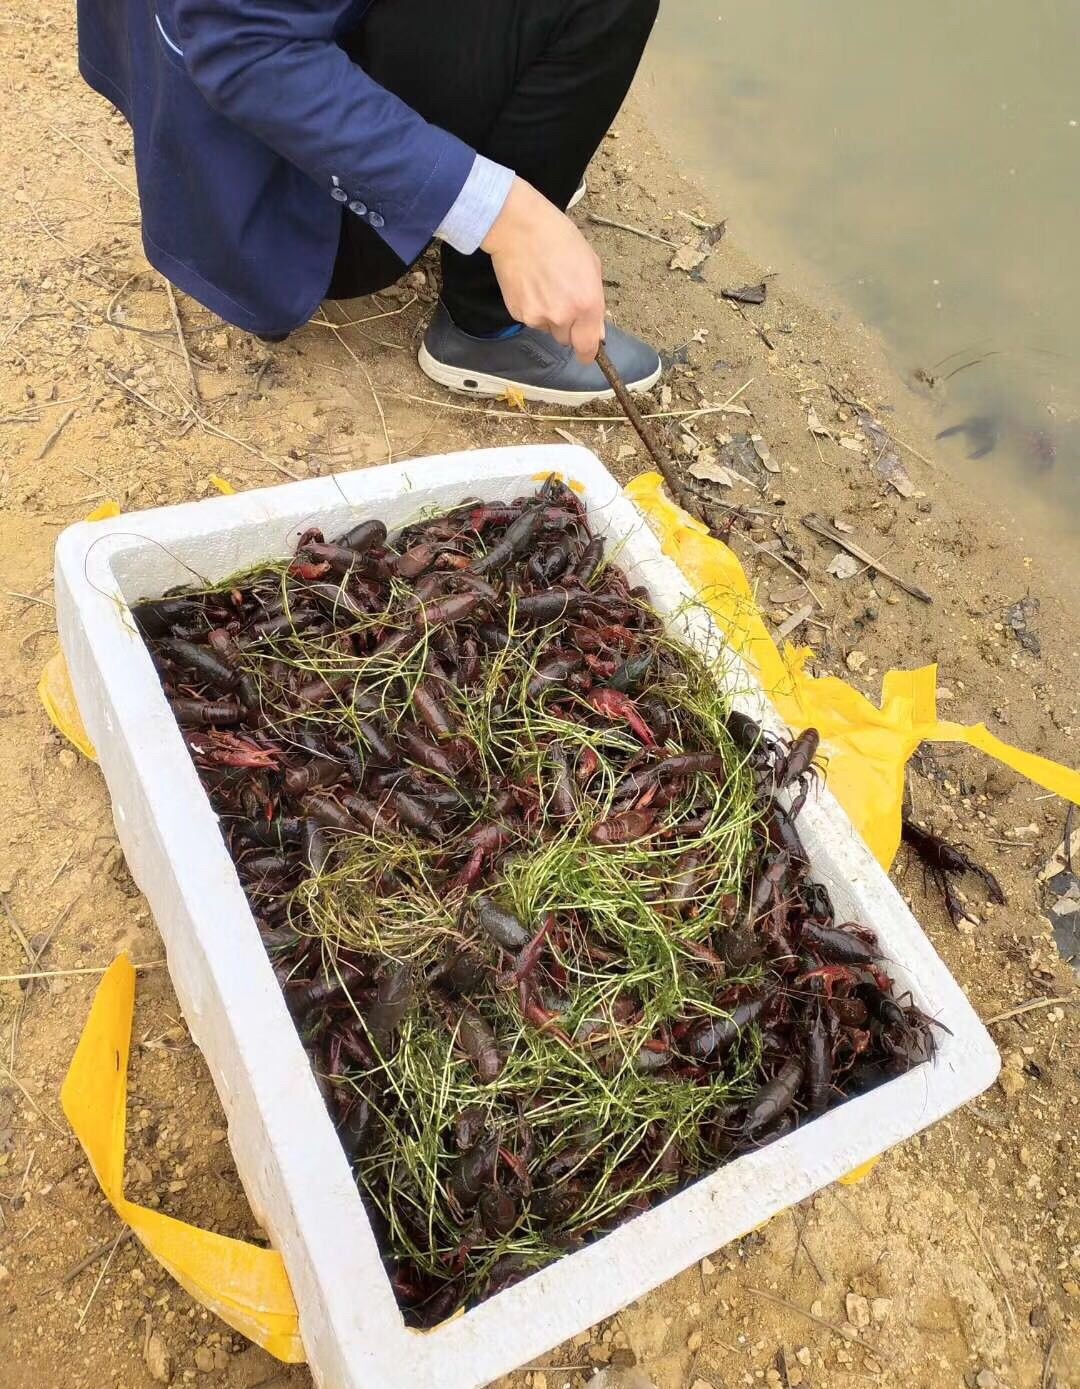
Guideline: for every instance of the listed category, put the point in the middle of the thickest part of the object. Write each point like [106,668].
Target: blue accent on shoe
[501,333]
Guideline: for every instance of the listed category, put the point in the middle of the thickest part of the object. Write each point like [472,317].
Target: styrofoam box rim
[288,1156]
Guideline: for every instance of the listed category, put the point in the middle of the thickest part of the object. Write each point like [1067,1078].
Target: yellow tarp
[246,1286]
[867,747]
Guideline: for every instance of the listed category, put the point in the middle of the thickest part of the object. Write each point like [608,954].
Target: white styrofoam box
[288,1156]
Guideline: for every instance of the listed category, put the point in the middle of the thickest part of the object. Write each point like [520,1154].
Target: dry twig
[1030,1007]
[636,231]
[104,1269]
[54,435]
[174,310]
[821,1321]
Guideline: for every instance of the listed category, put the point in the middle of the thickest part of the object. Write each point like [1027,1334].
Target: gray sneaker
[530,362]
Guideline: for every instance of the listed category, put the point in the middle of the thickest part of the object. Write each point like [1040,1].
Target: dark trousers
[532,84]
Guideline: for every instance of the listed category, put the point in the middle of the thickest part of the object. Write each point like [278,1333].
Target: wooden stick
[52,438]
[101,1275]
[812,1316]
[1030,1007]
[85,1262]
[66,973]
[647,435]
[174,310]
[635,231]
[820,527]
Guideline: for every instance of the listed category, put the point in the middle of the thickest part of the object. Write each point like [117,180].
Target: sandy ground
[958,1260]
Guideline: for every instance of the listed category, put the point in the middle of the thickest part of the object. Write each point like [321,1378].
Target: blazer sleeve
[273,67]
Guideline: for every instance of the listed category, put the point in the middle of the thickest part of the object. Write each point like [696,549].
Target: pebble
[880,1307]
[68,759]
[693,1342]
[599,1353]
[987,1379]
[802,1355]
[204,1359]
[858,1311]
[816,1308]
[855,660]
[539,1380]
[4,1275]
[707,1267]
[158,1360]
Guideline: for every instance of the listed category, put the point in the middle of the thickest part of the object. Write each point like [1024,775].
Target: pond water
[919,163]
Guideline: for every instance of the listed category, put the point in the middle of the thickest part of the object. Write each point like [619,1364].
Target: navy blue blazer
[253,130]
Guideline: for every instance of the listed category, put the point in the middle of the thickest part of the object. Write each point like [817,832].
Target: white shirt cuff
[477,205]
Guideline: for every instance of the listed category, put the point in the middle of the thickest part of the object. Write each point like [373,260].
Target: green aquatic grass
[629,968]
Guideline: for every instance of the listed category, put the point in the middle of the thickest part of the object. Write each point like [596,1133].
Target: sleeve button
[358,207]
[339,195]
[375,220]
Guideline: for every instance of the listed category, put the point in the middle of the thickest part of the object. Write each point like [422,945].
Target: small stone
[802,1355]
[794,1376]
[708,1267]
[218,1135]
[858,1311]
[68,759]
[599,1353]
[880,1307]
[157,1357]
[204,1359]
[855,660]
[987,1379]
[221,1357]
[772,1376]
[693,1341]
[1071,1286]
[583,1338]
[1011,1082]
[816,1308]
[539,1380]
[4,1275]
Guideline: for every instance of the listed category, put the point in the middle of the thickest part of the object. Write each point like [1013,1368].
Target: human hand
[549,274]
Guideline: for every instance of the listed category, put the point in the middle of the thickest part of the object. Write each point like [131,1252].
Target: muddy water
[920,163]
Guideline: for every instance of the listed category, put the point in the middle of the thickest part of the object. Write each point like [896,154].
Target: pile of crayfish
[534,891]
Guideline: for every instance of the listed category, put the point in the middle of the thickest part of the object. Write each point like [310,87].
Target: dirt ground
[958,1260]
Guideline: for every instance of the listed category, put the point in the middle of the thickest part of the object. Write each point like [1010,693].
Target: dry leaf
[688,257]
[814,425]
[708,471]
[849,441]
[626,451]
[888,465]
[795,621]
[843,566]
[514,398]
[746,294]
[761,448]
[842,525]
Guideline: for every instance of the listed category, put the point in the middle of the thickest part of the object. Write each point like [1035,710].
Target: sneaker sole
[493,387]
